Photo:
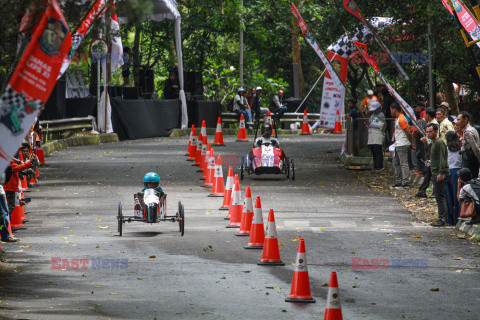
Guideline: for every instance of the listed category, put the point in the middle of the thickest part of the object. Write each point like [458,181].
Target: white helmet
[259,89]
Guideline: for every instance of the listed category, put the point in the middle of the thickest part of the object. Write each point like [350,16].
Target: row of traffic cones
[248,219]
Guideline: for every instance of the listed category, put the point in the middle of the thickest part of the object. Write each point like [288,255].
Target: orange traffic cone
[193,146]
[333,310]
[305,127]
[219,134]
[257,232]
[247,214]
[210,170]
[242,132]
[198,152]
[271,251]
[228,190]
[236,208]
[205,162]
[22,208]
[202,154]
[190,140]
[338,125]
[36,172]
[10,226]
[230,200]
[300,291]
[17,223]
[218,188]
[33,181]
[40,156]
[203,130]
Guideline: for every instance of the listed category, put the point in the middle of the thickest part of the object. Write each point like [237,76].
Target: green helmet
[151,177]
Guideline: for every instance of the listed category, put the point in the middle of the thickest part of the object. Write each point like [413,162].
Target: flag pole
[382,45]
[410,116]
[476,8]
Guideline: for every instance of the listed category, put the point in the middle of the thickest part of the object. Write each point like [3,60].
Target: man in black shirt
[171,88]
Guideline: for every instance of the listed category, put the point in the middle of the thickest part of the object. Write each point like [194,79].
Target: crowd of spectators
[438,145]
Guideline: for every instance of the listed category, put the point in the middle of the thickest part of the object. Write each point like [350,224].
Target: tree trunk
[451,97]
[296,55]
[137,59]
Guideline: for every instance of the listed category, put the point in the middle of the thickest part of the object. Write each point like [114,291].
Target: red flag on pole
[351,7]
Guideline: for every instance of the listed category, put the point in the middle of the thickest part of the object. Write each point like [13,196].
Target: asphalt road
[207,274]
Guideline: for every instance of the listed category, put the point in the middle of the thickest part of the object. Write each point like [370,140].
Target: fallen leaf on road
[208,212]
[26,246]
[458,258]
[113,293]
[209,248]
[152,257]
[98,219]
[350,300]
[324,284]
[97,247]
[410,205]
[295,239]
[281,244]
[416,237]
[435,289]
[21,250]
[71,235]
[102,227]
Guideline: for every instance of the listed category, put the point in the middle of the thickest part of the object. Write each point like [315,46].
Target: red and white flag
[33,80]
[466,18]
[352,7]
[116,52]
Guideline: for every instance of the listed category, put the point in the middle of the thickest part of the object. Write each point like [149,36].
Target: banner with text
[466,18]
[33,80]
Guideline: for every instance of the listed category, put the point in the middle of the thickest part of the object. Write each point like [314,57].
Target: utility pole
[241,43]
[431,87]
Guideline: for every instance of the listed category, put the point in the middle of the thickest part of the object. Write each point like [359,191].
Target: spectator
[277,106]
[454,160]
[427,174]
[257,108]
[419,148]
[403,141]
[376,135]
[440,172]
[468,188]
[11,185]
[240,106]
[469,141]
[171,87]
[354,114]
[250,97]
[420,108]
[445,124]
[5,235]
[388,100]
[368,101]
[445,105]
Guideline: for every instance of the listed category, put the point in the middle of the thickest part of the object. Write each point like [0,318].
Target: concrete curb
[83,140]
[472,232]
[226,132]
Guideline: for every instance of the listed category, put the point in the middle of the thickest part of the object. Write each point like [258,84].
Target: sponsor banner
[466,18]
[33,80]
[333,95]
[117,47]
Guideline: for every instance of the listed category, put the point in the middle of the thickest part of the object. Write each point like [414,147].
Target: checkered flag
[344,47]
[11,97]
[76,40]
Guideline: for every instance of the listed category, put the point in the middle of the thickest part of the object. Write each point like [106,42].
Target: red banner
[33,80]
[352,7]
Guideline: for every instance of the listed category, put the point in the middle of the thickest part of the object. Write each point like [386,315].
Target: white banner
[333,99]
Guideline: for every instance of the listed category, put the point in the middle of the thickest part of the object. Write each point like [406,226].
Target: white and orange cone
[192,145]
[210,170]
[218,141]
[247,214]
[305,126]
[198,151]
[202,154]
[257,231]
[300,291]
[268,119]
[235,180]
[236,208]
[242,132]
[271,251]
[228,190]
[205,162]
[203,130]
[338,124]
[218,188]
[190,141]
[333,310]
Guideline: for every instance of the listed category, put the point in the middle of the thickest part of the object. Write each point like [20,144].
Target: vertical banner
[333,96]
[116,53]
[468,21]
[33,80]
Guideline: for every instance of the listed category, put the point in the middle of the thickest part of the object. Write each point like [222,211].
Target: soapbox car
[266,157]
[151,207]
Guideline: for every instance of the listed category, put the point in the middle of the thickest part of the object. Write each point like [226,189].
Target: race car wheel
[287,168]
[292,168]
[242,167]
[120,219]
[181,218]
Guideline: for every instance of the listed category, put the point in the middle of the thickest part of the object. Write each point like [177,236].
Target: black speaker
[146,77]
[193,82]
[130,93]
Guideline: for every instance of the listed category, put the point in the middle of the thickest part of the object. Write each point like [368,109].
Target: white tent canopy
[167,9]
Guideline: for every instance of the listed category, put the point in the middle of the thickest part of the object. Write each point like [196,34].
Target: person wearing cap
[240,106]
[368,101]
[445,105]
[376,135]
[277,106]
[257,104]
